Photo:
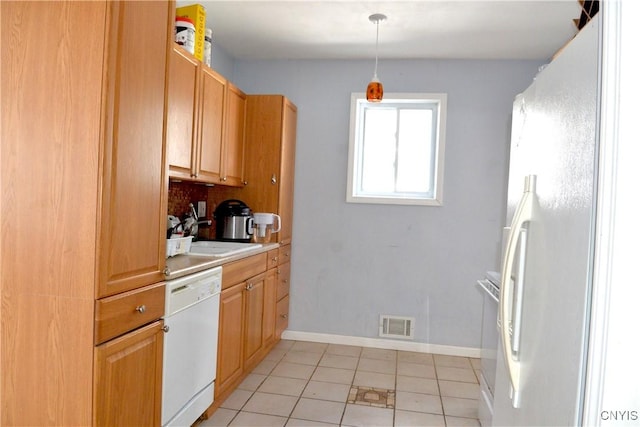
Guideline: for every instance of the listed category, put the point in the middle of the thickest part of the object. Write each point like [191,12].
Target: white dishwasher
[192,307]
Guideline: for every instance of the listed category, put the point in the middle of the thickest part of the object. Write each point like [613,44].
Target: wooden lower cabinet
[283,283]
[247,322]
[230,337]
[128,378]
[282,315]
[247,326]
[269,322]
[254,318]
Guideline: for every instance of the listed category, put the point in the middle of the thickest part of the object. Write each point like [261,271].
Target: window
[396,149]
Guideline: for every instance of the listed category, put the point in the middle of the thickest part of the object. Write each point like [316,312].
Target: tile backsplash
[183,193]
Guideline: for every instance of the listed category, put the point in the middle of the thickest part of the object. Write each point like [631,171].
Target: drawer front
[282,315]
[127,311]
[239,271]
[273,259]
[284,254]
[283,276]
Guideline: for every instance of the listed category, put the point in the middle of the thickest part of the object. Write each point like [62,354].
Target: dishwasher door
[190,349]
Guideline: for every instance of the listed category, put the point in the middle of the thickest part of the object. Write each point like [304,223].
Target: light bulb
[374,88]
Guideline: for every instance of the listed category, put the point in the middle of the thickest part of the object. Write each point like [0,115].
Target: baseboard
[448,350]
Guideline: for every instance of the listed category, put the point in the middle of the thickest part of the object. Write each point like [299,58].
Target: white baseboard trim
[448,350]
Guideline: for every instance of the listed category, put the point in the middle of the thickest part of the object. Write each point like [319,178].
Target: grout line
[351,385]
[307,384]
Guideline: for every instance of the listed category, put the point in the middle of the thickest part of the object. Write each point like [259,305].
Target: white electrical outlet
[202,209]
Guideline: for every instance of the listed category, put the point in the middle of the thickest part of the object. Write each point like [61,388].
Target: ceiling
[415,29]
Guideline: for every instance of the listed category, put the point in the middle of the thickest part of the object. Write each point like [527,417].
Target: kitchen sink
[220,249]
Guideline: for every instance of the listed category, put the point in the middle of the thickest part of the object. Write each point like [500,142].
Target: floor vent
[396,327]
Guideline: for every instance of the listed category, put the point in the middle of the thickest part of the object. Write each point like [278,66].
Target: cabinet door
[287,163]
[282,316]
[269,313]
[128,379]
[230,358]
[133,215]
[182,113]
[234,152]
[264,130]
[282,280]
[211,124]
[51,117]
[270,152]
[254,316]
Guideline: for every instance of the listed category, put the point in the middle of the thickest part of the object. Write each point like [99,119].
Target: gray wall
[353,262]
[221,61]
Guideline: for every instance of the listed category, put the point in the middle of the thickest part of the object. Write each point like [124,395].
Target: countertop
[184,264]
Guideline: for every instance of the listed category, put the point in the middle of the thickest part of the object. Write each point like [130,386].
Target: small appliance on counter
[234,222]
[263,226]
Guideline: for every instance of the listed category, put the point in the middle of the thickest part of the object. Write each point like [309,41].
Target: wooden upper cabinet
[287,166]
[205,123]
[270,150]
[182,113]
[211,118]
[233,153]
[132,222]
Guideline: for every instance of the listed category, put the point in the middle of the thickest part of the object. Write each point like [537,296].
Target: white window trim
[437,200]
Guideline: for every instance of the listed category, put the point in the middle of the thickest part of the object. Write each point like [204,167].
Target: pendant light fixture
[374,89]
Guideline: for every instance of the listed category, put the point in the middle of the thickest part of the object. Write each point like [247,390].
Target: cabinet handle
[141,308]
[284,316]
[274,181]
[274,259]
[245,182]
[286,280]
[224,178]
[166,328]
[249,286]
[166,271]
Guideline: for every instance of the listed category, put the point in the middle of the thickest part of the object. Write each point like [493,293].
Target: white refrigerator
[543,314]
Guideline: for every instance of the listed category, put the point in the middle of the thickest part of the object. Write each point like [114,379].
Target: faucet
[194,215]
[193,212]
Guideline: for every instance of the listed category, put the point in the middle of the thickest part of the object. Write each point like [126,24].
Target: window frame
[354,164]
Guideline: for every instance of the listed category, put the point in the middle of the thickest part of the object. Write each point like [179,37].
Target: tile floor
[308,384]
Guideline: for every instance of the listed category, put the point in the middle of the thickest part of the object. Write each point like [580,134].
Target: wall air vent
[396,327]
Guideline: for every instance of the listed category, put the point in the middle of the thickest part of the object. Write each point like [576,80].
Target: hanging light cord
[375,70]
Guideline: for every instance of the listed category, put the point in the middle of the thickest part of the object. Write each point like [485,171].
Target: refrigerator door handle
[522,215]
[519,293]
